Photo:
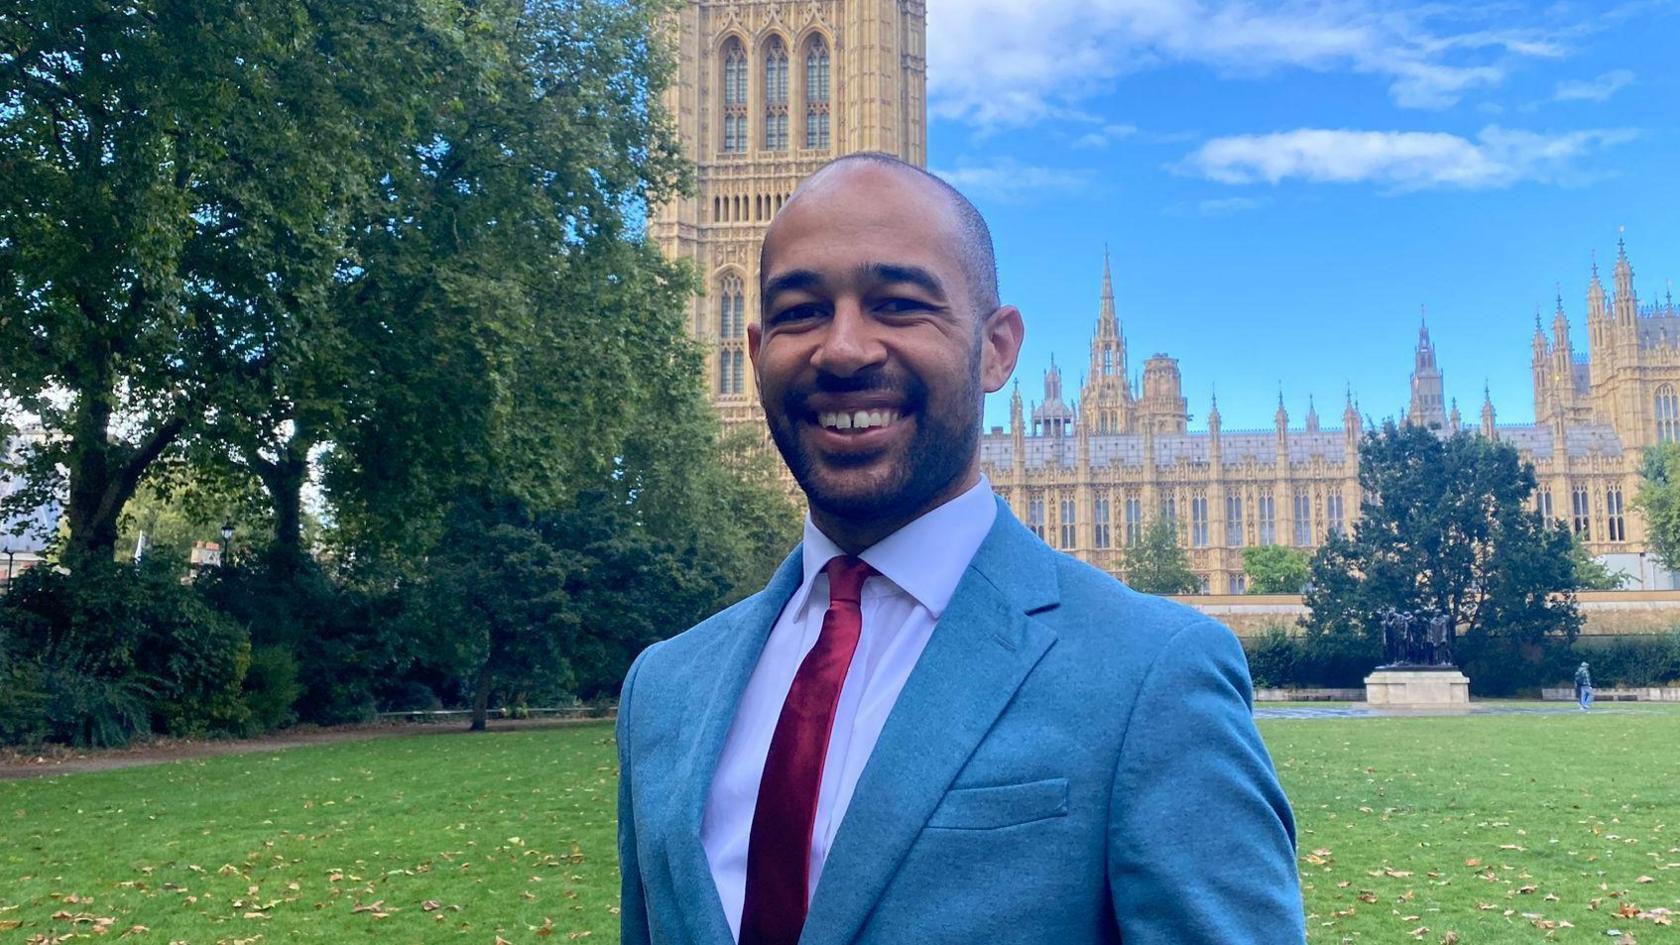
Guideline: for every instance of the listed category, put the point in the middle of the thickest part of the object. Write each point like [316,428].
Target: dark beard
[941,450]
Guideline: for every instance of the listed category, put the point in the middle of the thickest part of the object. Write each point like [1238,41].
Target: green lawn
[1511,828]
[1489,827]
[440,837]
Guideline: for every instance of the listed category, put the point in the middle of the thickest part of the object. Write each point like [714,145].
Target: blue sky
[1282,186]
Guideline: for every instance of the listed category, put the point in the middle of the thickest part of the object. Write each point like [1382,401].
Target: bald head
[972,236]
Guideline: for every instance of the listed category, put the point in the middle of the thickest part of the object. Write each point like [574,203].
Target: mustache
[909,388]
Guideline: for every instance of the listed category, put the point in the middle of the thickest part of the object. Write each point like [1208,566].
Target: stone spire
[1213,418]
[1312,415]
[1596,307]
[1626,302]
[1108,344]
[1454,419]
[1488,429]
[1281,418]
[1350,422]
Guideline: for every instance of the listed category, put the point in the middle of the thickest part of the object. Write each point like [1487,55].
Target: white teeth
[857,420]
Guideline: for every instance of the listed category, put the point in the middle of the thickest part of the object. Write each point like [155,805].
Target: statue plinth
[1417,687]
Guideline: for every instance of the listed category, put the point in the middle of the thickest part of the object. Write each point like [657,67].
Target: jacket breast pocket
[1003,805]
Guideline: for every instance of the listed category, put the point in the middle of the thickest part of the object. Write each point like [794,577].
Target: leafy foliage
[1447,527]
[1157,564]
[121,650]
[1275,569]
[1659,499]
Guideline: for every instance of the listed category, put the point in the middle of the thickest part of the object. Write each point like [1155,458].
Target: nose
[850,342]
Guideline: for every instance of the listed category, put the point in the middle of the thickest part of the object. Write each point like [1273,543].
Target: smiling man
[930,727]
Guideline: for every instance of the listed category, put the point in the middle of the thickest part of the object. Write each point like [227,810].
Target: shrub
[271,689]
[90,710]
[1273,659]
[124,649]
[340,643]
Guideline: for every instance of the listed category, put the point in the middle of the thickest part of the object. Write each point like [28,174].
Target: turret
[1428,406]
[1626,305]
[1488,428]
[1595,295]
[1312,415]
[1350,421]
[1162,401]
[1454,421]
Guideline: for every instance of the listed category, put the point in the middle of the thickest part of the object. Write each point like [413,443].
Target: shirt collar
[905,557]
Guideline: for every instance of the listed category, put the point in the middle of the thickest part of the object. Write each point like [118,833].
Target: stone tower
[1428,407]
[766,91]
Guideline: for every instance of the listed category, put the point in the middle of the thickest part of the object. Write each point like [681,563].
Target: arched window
[732,323]
[816,93]
[1668,415]
[775,95]
[734,97]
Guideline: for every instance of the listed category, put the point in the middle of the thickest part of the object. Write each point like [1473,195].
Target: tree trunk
[481,698]
[283,480]
[104,475]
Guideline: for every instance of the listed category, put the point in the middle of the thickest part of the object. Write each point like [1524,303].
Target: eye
[796,313]
[902,306]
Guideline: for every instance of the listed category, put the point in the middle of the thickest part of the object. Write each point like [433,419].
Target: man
[1583,686]
[930,728]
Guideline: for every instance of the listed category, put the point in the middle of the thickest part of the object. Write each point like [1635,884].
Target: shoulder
[698,645]
[1095,602]
[1106,629]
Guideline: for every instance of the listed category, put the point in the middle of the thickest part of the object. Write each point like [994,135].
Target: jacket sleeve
[1201,842]
[632,917]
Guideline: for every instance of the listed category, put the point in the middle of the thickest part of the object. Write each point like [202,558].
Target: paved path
[1370,712]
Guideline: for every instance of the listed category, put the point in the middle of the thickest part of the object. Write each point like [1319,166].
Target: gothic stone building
[769,90]
[1088,476]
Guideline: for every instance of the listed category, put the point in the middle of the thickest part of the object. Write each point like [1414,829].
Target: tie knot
[846,575]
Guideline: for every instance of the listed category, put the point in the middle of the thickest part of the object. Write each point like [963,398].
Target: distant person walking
[1583,686]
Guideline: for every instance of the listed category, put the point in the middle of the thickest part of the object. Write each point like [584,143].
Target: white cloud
[1594,90]
[1102,138]
[1000,63]
[1402,160]
[1008,180]
[1226,206]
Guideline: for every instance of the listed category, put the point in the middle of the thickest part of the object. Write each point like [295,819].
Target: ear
[755,337]
[1000,344]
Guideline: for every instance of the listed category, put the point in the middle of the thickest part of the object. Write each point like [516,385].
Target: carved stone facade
[766,92]
[1088,476]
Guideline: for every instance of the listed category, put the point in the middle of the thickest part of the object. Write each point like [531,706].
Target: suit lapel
[713,704]
[982,649]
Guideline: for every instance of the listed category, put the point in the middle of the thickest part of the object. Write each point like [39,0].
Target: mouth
[857,421]
[856,432]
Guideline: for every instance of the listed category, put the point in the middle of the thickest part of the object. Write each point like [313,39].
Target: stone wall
[1607,613]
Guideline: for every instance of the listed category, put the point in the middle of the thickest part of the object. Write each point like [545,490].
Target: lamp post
[9,555]
[227,542]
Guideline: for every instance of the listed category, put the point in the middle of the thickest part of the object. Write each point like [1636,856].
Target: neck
[853,534]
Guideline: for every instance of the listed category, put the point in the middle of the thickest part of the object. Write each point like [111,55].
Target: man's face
[871,359]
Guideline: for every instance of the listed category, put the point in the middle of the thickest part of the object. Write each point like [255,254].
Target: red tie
[779,850]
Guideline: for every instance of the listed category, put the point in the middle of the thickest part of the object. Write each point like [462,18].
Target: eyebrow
[792,281]
[802,279]
[914,275]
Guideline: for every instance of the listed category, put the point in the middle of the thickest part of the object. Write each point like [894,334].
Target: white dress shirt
[918,568]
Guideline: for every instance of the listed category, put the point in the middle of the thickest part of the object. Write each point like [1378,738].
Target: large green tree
[178,182]
[1156,563]
[1275,569]
[1447,525]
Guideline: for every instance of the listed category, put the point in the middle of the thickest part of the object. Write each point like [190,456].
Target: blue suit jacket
[1069,762]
